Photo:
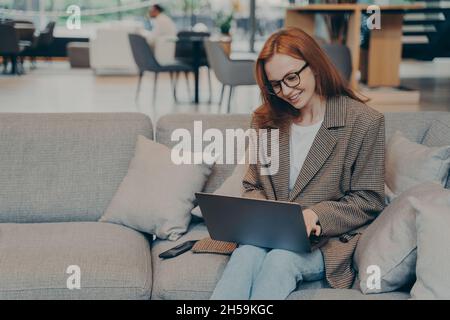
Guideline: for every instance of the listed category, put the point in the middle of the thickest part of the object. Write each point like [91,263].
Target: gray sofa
[58,173]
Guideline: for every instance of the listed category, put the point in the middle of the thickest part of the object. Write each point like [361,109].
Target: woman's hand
[311,220]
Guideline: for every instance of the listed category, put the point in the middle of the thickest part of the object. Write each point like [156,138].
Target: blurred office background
[93,69]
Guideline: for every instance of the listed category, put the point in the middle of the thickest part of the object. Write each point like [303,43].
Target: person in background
[163,25]
[161,38]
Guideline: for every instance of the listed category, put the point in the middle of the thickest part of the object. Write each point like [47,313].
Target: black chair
[229,72]
[184,52]
[10,47]
[184,48]
[146,61]
[41,44]
[341,57]
[46,37]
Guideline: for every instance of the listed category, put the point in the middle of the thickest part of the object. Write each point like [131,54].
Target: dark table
[198,57]
[197,43]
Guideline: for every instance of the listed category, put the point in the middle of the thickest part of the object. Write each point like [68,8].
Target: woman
[331,163]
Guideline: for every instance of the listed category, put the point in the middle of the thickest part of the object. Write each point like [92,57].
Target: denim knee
[288,263]
[278,258]
[250,251]
[309,266]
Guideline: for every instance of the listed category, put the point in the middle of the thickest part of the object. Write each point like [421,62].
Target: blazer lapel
[321,149]
[280,180]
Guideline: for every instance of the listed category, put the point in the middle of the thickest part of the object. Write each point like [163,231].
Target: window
[185,13]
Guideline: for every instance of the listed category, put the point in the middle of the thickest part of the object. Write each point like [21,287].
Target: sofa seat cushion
[114,261]
[192,276]
[344,294]
[64,167]
[189,276]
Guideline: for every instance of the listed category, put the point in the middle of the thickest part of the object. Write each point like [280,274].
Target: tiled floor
[57,88]
[54,87]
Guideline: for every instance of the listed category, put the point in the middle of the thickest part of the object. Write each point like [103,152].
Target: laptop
[263,223]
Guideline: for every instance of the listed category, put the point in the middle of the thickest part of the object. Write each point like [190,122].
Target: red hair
[297,44]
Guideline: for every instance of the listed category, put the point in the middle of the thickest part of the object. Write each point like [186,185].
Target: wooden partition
[380,64]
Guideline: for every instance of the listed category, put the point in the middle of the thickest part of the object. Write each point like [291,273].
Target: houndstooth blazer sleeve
[365,199]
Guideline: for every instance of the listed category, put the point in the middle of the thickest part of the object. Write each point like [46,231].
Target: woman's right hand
[311,220]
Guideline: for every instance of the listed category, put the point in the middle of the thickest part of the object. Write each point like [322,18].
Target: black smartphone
[179,249]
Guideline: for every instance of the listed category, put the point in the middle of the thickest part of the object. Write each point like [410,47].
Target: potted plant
[223,22]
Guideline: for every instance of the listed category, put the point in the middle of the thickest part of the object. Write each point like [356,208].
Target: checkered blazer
[342,180]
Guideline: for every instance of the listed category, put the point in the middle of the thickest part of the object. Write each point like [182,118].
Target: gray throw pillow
[409,164]
[389,243]
[438,136]
[433,254]
[232,186]
[156,196]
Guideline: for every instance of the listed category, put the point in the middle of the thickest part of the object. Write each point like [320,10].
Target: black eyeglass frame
[297,74]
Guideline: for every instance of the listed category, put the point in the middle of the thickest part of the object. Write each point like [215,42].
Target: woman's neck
[312,113]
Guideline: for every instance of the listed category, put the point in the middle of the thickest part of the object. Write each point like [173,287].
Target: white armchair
[110,50]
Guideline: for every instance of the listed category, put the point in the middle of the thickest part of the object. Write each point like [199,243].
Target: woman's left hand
[311,220]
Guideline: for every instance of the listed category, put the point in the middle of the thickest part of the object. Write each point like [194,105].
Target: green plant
[224,21]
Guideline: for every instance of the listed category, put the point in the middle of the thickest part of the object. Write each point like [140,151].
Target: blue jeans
[262,274]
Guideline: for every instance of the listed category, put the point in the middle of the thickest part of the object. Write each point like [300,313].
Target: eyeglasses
[291,80]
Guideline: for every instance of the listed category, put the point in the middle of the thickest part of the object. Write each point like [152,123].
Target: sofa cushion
[433,262]
[64,167]
[114,261]
[193,276]
[156,195]
[390,241]
[437,136]
[414,125]
[189,276]
[167,124]
[344,294]
[232,186]
[409,164]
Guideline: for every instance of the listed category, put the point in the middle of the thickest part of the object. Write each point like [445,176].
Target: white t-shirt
[301,140]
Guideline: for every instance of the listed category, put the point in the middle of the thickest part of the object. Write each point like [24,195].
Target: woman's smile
[295,98]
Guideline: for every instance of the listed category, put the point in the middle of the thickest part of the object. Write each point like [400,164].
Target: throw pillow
[156,196]
[433,256]
[232,186]
[437,136]
[389,243]
[409,164]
